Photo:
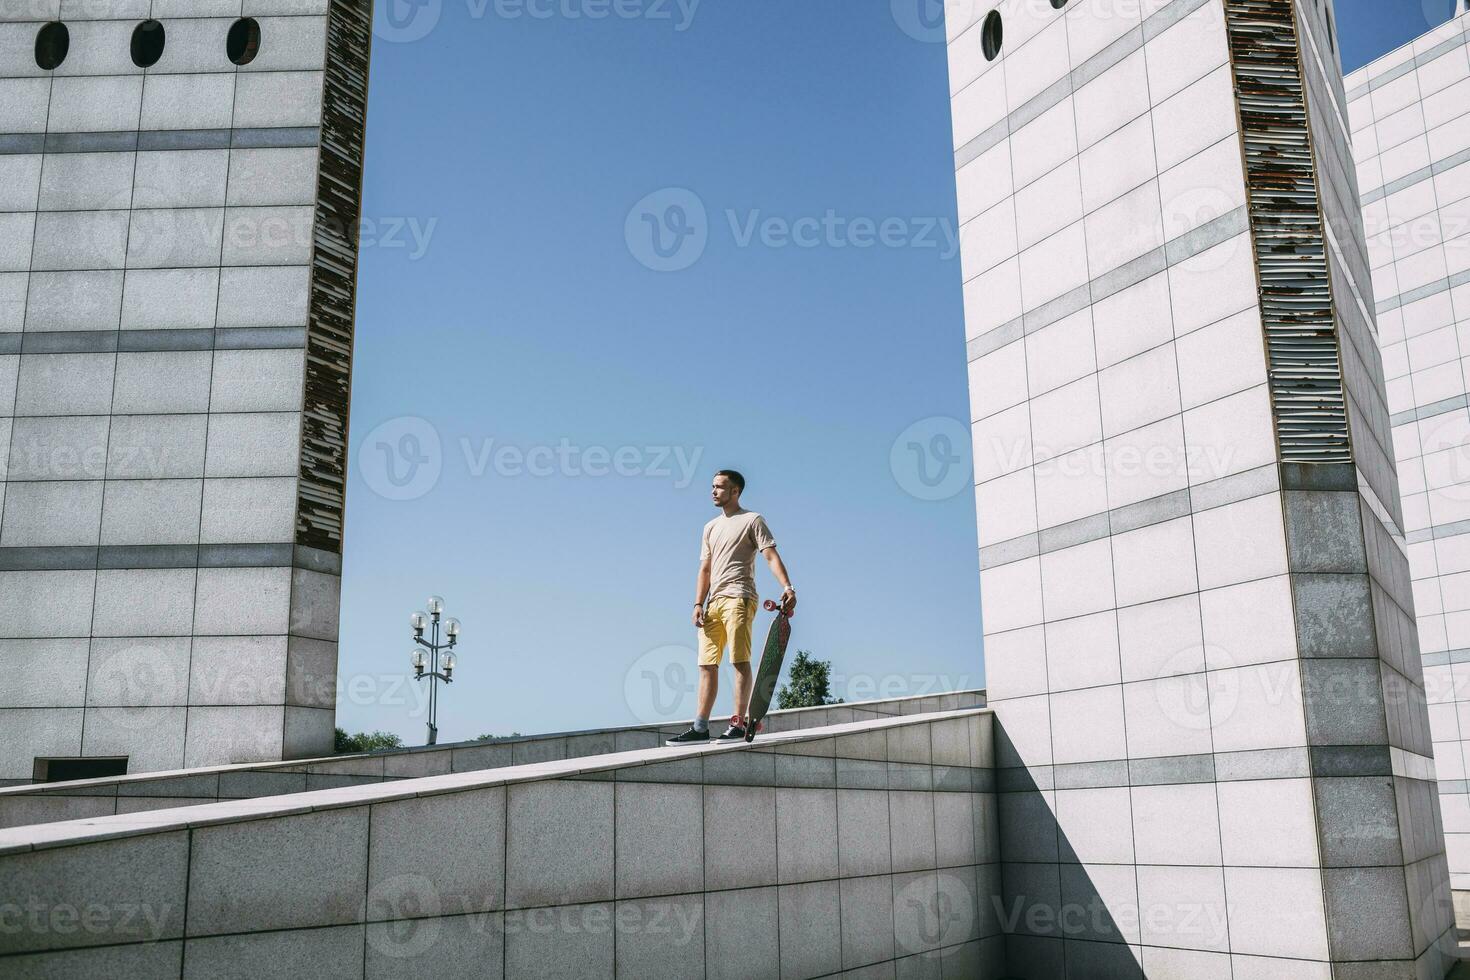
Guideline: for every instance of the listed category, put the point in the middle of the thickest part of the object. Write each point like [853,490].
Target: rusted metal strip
[1302,346]
[322,490]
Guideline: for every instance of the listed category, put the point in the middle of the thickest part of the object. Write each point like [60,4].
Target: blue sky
[542,388]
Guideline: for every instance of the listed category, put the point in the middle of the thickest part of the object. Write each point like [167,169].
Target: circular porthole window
[52,42]
[147,46]
[1058,4]
[243,41]
[993,35]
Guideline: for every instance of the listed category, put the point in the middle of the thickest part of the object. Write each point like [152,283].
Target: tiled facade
[1198,619]
[177,254]
[1410,117]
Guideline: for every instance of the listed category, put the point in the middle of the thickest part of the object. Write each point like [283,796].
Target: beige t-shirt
[730,545]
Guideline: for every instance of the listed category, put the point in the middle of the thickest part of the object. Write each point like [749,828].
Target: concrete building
[179,184]
[1199,627]
[1410,115]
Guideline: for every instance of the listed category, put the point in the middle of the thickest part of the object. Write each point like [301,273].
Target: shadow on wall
[1055,917]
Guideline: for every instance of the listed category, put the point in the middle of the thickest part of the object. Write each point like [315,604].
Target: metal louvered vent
[322,492]
[1303,358]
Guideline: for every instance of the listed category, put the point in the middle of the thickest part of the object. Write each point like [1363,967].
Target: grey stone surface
[1324,532]
[145,876]
[660,839]
[1334,616]
[454,843]
[334,953]
[806,847]
[1367,913]
[456,947]
[911,817]
[661,937]
[145,961]
[739,837]
[863,833]
[810,929]
[741,934]
[295,872]
[954,829]
[867,920]
[576,941]
[559,847]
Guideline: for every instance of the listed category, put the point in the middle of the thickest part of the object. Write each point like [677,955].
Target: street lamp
[438,663]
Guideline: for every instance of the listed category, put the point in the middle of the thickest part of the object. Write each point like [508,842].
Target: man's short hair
[734,477]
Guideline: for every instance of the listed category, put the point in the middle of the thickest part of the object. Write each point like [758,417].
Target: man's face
[722,491]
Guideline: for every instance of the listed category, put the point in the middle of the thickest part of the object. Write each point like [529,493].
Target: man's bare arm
[701,592]
[778,569]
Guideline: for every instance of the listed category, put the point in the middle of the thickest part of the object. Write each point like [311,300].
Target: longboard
[770,669]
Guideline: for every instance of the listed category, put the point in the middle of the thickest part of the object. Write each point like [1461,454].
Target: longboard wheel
[750,734]
[771,605]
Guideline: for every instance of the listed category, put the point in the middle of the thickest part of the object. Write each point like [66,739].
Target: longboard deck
[766,676]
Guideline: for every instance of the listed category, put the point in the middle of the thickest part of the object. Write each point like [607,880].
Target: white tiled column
[1161,595]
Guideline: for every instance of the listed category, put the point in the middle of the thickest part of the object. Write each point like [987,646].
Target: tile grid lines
[365,923]
[1434,169]
[1459,735]
[1412,65]
[149,140]
[199,531]
[1031,422]
[1221,492]
[1194,555]
[1215,232]
[15,401]
[111,401]
[1111,55]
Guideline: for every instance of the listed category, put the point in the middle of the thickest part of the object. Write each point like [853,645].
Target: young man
[727,581]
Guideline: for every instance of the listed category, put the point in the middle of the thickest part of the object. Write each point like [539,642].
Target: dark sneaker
[690,737]
[733,733]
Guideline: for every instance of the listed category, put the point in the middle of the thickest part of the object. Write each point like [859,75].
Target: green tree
[808,683]
[366,742]
[491,738]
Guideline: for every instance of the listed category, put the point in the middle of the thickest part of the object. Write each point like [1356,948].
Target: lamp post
[438,664]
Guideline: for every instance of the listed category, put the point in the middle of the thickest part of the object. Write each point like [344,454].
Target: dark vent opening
[60,770]
[243,41]
[147,46]
[993,35]
[53,40]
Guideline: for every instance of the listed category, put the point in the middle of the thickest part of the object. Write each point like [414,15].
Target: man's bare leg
[742,688]
[709,686]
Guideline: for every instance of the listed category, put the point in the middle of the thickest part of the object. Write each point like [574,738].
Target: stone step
[48,802]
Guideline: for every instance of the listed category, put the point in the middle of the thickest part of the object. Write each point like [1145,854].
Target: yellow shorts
[726,620]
